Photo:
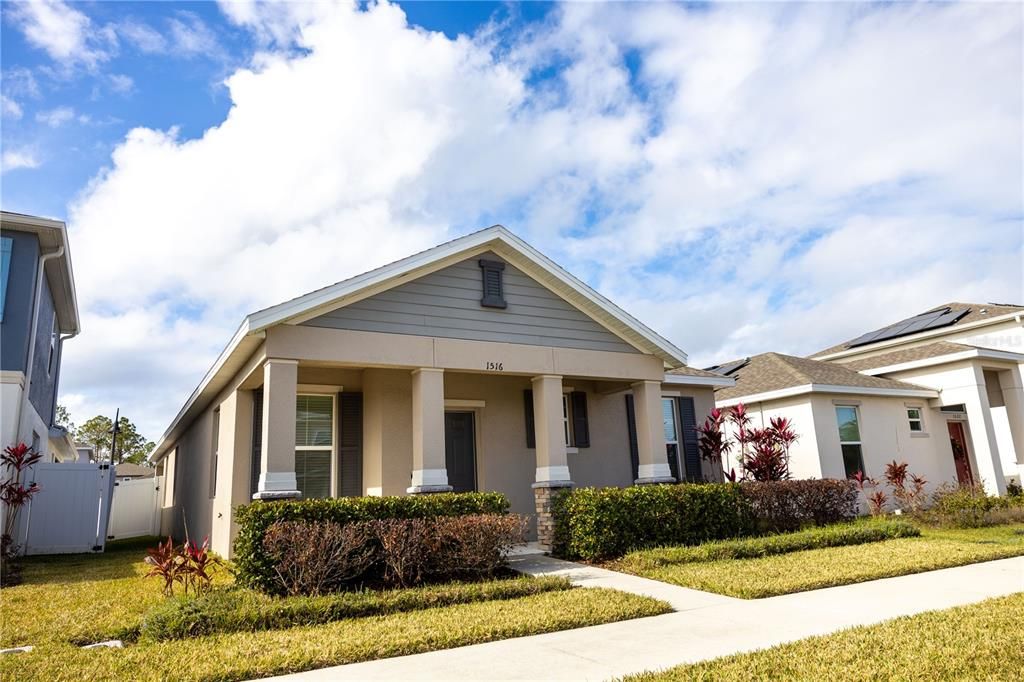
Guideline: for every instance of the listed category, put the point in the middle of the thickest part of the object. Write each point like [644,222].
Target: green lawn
[74,599]
[817,568]
[983,641]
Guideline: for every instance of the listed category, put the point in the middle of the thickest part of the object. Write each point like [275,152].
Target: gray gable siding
[15,328]
[446,304]
[43,391]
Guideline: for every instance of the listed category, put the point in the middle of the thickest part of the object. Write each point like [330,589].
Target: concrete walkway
[704,626]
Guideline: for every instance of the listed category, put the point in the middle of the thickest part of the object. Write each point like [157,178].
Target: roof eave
[806,389]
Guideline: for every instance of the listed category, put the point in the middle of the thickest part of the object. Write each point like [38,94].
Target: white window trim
[860,443]
[567,420]
[922,432]
[320,391]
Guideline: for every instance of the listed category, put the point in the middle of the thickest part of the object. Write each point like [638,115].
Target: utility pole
[114,430]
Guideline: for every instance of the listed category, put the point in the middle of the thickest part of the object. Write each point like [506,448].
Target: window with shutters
[493,287]
[314,444]
[567,419]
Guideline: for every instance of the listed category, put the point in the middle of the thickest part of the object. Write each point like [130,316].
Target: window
[849,439]
[671,428]
[567,419]
[314,444]
[915,419]
[214,447]
[6,246]
[493,291]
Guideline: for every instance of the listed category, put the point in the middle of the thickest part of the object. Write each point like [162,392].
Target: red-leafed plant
[189,564]
[910,495]
[712,441]
[15,492]
[875,499]
[763,452]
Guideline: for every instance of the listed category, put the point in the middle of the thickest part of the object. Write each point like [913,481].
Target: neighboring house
[38,312]
[479,364]
[127,471]
[941,390]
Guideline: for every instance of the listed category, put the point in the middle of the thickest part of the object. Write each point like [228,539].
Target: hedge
[603,523]
[242,610]
[750,548]
[255,569]
[600,523]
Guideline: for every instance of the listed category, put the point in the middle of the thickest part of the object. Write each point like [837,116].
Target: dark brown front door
[959,443]
[460,451]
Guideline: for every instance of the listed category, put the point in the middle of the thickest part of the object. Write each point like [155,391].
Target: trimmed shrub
[242,610]
[255,568]
[601,523]
[314,557]
[751,548]
[784,506]
[969,506]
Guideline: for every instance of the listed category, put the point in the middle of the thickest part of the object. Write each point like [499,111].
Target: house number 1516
[496,366]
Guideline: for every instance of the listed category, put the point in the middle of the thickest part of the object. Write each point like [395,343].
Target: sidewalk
[705,627]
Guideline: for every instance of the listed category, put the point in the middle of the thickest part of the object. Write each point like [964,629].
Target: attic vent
[494,293]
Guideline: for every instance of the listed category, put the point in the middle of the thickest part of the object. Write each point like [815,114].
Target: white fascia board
[972,354]
[52,234]
[492,238]
[920,336]
[683,380]
[163,445]
[829,388]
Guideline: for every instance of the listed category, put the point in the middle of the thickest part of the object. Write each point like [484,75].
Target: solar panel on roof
[933,319]
[729,367]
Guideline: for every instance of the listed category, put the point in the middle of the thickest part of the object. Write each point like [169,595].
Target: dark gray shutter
[531,433]
[580,424]
[257,440]
[691,451]
[350,445]
[634,449]
[493,289]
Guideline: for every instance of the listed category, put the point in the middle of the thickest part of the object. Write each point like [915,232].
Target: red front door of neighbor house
[960,458]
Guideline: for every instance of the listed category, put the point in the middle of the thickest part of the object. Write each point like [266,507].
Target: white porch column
[549,430]
[429,471]
[277,456]
[983,436]
[1012,382]
[650,434]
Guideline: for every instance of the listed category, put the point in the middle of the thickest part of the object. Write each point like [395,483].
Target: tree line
[132,446]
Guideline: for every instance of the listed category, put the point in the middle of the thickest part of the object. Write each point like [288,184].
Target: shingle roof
[130,469]
[932,350]
[775,371]
[694,372]
[976,313]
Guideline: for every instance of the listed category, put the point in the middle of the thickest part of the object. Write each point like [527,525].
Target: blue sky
[741,177]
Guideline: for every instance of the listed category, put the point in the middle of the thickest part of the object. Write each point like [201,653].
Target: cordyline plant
[15,490]
[190,565]
[874,496]
[763,452]
[909,495]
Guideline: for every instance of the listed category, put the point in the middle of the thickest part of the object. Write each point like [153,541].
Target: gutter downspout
[43,259]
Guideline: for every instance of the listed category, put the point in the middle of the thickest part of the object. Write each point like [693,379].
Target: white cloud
[121,83]
[190,36]
[66,34]
[143,36]
[11,108]
[764,178]
[13,159]
[56,117]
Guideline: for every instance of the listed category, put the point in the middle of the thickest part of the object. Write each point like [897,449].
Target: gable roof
[496,239]
[976,313]
[53,236]
[931,350]
[770,372]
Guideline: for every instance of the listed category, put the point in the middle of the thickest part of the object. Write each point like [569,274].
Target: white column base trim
[277,485]
[552,474]
[429,477]
[654,473]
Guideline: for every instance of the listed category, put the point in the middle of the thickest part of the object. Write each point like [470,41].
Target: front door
[959,443]
[460,451]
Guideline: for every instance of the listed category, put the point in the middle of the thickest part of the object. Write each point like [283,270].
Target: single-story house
[129,471]
[479,364]
[941,390]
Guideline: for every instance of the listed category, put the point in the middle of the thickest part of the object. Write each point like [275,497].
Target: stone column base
[428,489]
[654,481]
[544,495]
[268,495]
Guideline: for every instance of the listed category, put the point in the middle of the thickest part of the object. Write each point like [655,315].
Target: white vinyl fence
[134,510]
[70,512]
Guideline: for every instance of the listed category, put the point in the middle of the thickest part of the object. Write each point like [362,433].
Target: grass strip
[749,548]
[978,642]
[247,655]
[240,610]
[817,568]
